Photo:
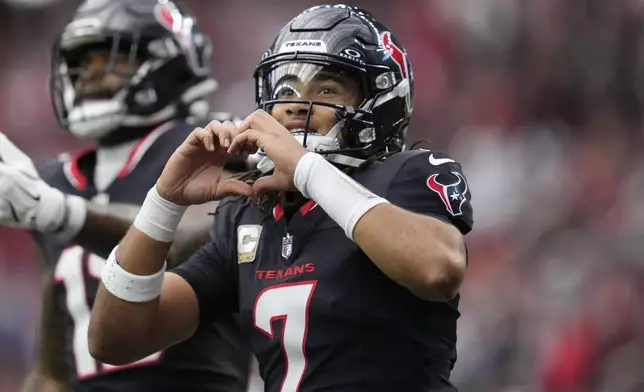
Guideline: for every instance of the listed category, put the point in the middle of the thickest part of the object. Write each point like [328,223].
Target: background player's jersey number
[72,273]
[290,303]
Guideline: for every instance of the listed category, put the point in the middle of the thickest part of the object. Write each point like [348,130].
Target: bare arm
[122,332]
[416,240]
[421,253]
[154,325]
[50,373]
[37,382]
[106,225]
[193,232]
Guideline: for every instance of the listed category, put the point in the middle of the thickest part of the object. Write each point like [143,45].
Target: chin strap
[344,160]
[265,164]
[315,142]
[95,119]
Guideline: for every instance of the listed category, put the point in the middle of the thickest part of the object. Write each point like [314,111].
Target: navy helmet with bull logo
[348,41]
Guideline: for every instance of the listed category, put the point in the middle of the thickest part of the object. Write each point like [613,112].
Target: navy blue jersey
[214,359]
[319,314]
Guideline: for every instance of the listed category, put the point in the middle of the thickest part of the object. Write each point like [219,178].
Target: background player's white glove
[27,202]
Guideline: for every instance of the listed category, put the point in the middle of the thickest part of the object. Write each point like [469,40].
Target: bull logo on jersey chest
[287,246]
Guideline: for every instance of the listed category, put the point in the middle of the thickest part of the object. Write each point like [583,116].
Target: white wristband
[130,287]
[158,217]
[345,200]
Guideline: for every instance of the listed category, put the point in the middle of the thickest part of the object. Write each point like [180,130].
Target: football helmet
[341,39]
[167,74]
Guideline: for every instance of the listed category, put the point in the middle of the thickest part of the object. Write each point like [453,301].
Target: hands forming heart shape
[193,173]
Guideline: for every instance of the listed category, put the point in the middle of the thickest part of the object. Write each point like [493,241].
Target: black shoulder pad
[431,182]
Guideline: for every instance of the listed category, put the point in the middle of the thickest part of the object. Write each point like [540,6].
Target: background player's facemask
[320,105]
[144,99]
[93,106]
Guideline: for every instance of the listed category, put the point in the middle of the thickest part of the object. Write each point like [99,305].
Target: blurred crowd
[541,102]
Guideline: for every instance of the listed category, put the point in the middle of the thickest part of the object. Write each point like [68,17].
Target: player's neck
[291,203]
[110,160]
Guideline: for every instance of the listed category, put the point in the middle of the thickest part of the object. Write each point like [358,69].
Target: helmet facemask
[321,106]
[91,102]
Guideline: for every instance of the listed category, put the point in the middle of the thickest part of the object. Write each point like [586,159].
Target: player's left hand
[260,130]
[26,201]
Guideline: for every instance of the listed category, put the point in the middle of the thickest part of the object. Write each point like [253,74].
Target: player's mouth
[302,132]
[299,128]
[95,95]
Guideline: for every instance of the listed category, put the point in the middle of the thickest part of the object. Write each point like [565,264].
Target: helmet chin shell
[94,120]
[315,142]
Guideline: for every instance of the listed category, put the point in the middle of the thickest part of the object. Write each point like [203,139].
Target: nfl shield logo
[287,246]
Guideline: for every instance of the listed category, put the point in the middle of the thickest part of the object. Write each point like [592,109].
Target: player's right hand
[26,201]
[193,173]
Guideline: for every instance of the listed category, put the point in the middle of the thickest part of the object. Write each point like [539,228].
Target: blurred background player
[131,77]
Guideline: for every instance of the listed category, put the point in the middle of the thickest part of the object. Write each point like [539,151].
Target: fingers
[233,187]
[12,155]
[274,182]
[7,213]
[15,180]
[224,132]
[258,122]
[261,120]
[216,135]
[227,135]
[248,122]
[249,140]
[203,137]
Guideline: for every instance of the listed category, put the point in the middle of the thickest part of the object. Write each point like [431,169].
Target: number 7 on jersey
[290,303]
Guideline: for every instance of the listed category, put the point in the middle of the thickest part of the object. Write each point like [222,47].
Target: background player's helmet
[347,40]
[168,77]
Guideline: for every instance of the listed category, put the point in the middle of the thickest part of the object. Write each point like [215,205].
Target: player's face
[101,78]
[310,82]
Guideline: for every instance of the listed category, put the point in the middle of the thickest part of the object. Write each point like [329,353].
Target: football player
[132,77]
[344,258]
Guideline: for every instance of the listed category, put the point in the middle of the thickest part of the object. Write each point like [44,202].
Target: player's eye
[328,90]
[284,92]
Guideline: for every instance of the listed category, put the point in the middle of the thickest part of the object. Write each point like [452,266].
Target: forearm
[51,372]
[105,226]
[39,382]
[420,253]
[187,242]
[193,232]
[140,309]
[119,323]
